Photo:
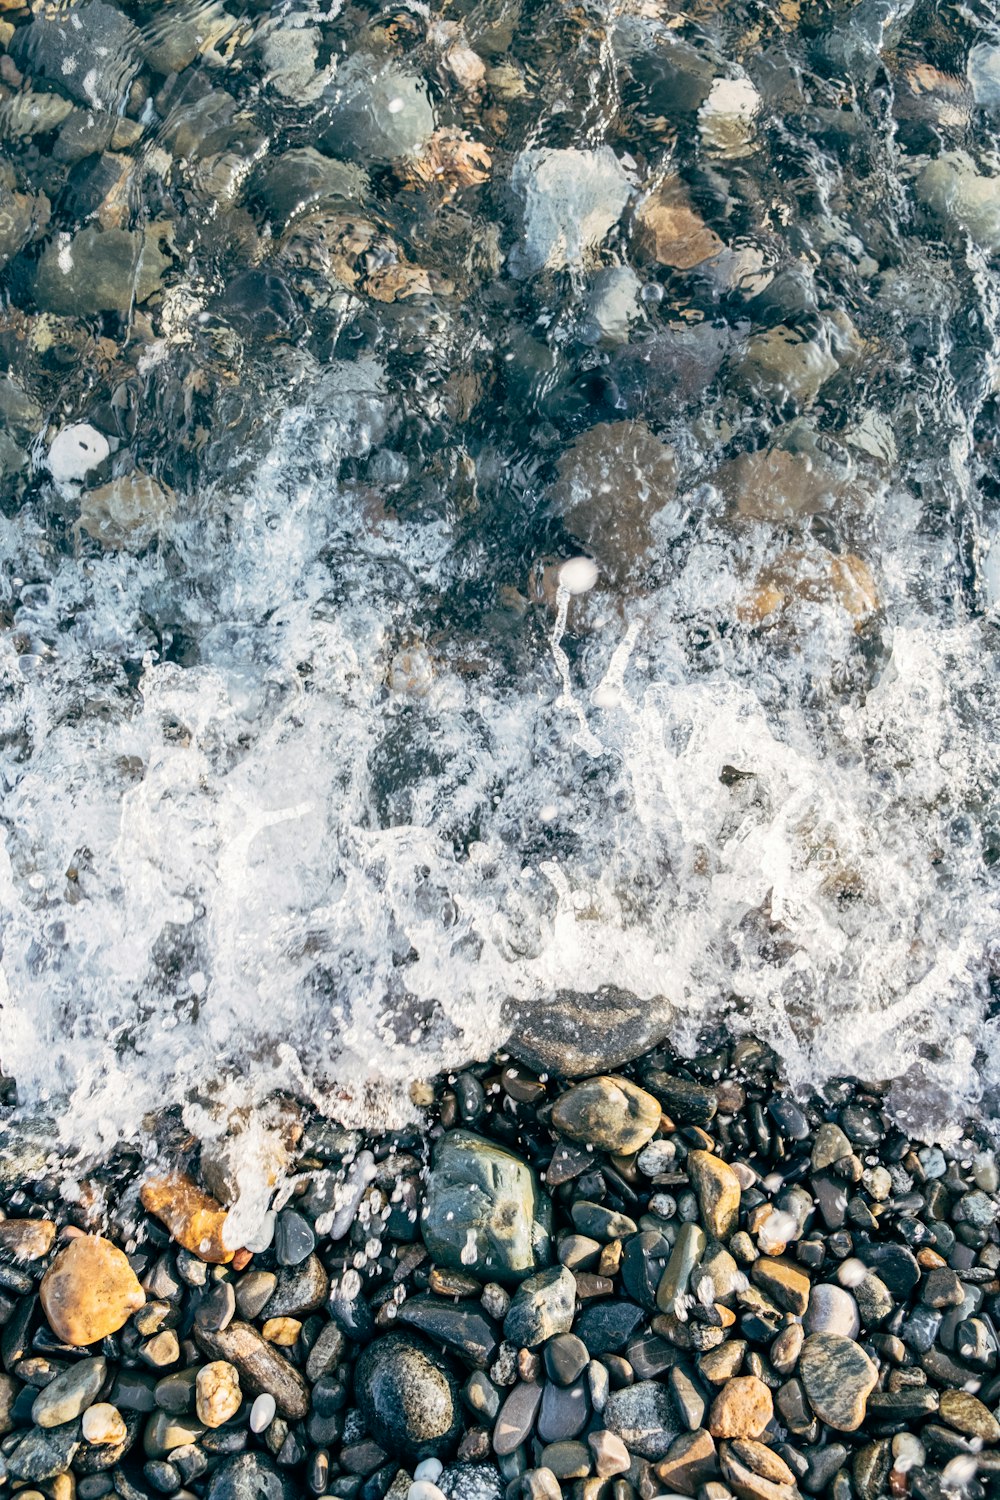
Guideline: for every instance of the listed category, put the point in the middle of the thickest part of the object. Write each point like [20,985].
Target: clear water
[312,769]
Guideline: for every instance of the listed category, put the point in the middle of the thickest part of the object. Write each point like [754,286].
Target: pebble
[103,1425]
[483,1209]
[838,1377]
[643,1416]
[832,1310]
[409,1398]
[262,1412]
[193,1218]
[516,1417]
[69,1395]
[718,1190]
[742,1409]
[260,1367]
[542,1307]
[89,1291]
[294,1239]
[613,1114]
[217,1393]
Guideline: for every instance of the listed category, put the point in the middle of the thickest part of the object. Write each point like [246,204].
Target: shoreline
[675,1279]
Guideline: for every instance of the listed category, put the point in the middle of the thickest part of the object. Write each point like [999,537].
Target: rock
[261,1368]
[44,1453]
[89,1291]
[688,1249]
[612,307]
[606,1327]
[262,1413]
[566,1358]
[762,1460]
[98,270]
[126,515]
[516,1417]
[69,1395]
[610,1454]
[832,1310]
[217,1308]
[217,1393]
[874,1300]
[952,188]
[830,1145]
[75,451]
[300,1289]
[669,229]
[542,1307]
[91,54]
[643,1416]
[611,1114]
[294,1240]
[296,180]
[784,1282]
[20,215]
[461,1326]
[250,1476]
[568,201]
[781,364]
[483,1211]
[612,482]
[817,577]
[837,1376]
[725,119]
[742,1409]
[690,1462]
[409,1399]
[967,1414]
[103,1425]
[254,1290]
[718,1190]
[378,112]
[564,1411]
[781,483]
[746,1483]
[27,1239]
[786,1348]
[194,1219]
[573,1034]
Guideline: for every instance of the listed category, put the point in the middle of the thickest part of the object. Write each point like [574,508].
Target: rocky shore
[672,1280]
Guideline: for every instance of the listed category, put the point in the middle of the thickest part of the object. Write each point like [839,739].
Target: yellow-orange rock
[27,1239]
[89,1291]
[194,1219]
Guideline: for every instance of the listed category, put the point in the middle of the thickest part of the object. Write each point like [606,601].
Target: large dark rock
[575,1034]
[249,1476]
[90,52]
[408,1397]
[484,1212]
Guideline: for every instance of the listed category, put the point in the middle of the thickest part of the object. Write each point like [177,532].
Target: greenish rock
[68,1396]
[165,1431]
[408,1397]
[609,1113]
[688,1250]
[542,1307]
[301,178]
[830,1145]
[461,1326]
[45,1453]
[600,1223]
[376,111]
[838,1378]
[98,271]
[871,1469]
[484,1213]
[19,213]
[576,1033]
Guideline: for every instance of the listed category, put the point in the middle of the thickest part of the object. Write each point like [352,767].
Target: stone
[103,1424]
[217,1393]
[261,1368]
[567,1460]
[688,1249]
[609,1113]
[786,1348]
[784,1282]
[742,1409]
[830,1145]
[718,1190]
[967,1414]
[408,1396]
[567,200]
[838,1377]
[92,56]
[832,1309]
[593,1219]
[563,1412]
[762,1460]
[44,1453]
[669,229]
[484,1213]
[721,1364]
[89,1291]
[294,1240]
[99,270]
[690,1462]
[611,1457]
[517,1417]
[165,1432]
[27,1239]
[952,188]
[542,1307]
[69,1395]
[745,1482]
[643,1416]
[194,1220]
[606,1327]
[780,483]
[262,1413]
[566,1358]
[253,1291]
[460,1326]
[377,111]
[300,1289]
[250,1476]
[613,306]
[574,1034]
[874,1300]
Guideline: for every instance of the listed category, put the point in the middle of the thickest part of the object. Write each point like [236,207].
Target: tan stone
[722,1364]
[742,1409]
[282,1331]
[746,1484]
[690,1462]
[194,1219]
[718,1190]
[670,230]
[762,1460]
[217,1393]
[27,1239]
[89,1291]
[784,1282]
[817,577]
[103,1424]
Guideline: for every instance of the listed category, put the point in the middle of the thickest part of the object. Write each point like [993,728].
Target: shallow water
[308,766]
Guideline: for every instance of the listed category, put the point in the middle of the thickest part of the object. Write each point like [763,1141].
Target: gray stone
[517,1417]
[408,1396]
[304,177]
[378,112]
[325,1352]
[217,1309]
[294,1239]
[643,1416]
[91,53]
[606,1326]
[566,1358]
[830,1145]
[600,1222]
[100,270]
[484,1213]
[253,1290]
[564,1411]
[687,1252]
[69,1395]
[832,1310]
[44,1453]
[838,1377]
[300,1289]
[575,1034]
[568,201]
[461,1326]
[543,1306]
[250,1476]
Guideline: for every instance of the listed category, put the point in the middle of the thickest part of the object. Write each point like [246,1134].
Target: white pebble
[422,1489]
[578,575]
[75,451]
[908,1452]
[429,1468]
[262,1412]
[851,1272]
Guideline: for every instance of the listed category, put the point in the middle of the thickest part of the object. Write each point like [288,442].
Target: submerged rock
[953,189]
[377,112]
[568,202]
[98,271]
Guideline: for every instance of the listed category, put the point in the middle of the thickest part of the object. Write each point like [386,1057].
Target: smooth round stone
[70,1393]
[517,1418]
[563,1413]
[644,1260]
[294,1239]
[377,112]
[542,1307]
[408,1397]
[262,1412]
[567,1460]
[611,1114]
[832,1310]
[253,1290]
[250,1476]
[423,1489]
[598,1222]
[75,450]
[566,1358]
[838,1378]
[484,1213]
[217,1393]
[217,1308]
[103,1424]
[430,1469]
[89,1291]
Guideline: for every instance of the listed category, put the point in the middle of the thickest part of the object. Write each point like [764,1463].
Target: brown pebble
[27,1239]
[89,1291]
[742,1409]
[194,1219]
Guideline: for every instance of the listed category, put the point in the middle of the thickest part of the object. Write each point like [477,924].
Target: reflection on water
[331,332]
